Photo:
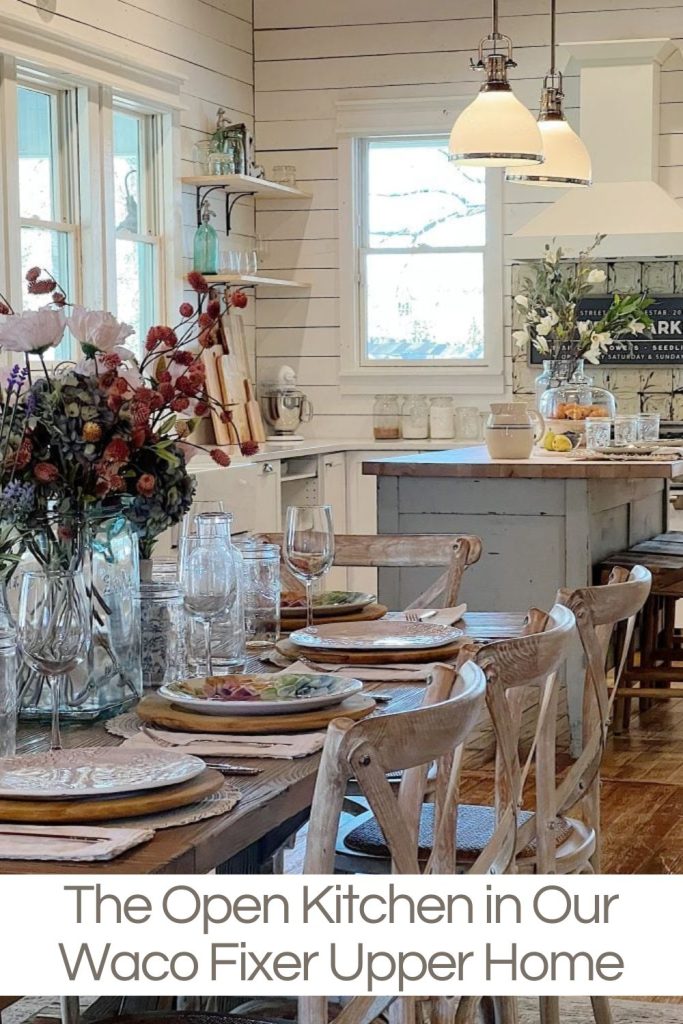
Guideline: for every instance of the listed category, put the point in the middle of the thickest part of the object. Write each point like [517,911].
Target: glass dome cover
[567,406]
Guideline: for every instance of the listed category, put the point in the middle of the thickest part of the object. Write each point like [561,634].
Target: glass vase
[556,372]
[8,692]
[110,680]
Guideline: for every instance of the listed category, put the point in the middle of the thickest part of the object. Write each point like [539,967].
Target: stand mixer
[285,406]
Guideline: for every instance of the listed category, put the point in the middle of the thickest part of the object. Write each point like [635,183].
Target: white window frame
[99,78]
[358,121]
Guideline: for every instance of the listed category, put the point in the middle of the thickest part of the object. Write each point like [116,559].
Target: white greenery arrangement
[549,301]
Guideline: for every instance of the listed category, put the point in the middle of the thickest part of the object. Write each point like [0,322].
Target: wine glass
[309,546]
[53,629]
[207,572]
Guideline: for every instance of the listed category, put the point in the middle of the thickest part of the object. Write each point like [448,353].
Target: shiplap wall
[311,53]
[209,42]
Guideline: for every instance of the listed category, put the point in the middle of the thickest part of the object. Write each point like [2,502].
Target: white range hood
[619,82]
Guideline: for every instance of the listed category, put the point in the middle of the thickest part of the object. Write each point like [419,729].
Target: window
[136,217]
[421,254]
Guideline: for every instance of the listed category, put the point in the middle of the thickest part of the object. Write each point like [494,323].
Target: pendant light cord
[495,35]
[553,35]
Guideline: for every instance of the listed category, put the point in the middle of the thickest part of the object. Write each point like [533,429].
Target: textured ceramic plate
[333,602]
[93,772]
[260,694]
[375,636]
[634,450]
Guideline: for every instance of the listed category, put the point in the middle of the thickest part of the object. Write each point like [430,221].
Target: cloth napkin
[443,617]
[213,744]
[368,673]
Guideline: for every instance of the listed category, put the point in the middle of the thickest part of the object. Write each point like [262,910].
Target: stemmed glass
[54,629]
[309,546]
[207,572]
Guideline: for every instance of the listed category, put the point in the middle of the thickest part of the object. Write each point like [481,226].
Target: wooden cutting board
[289,650]
[215,394]
[256,428]
[155,711]
[371,613]
[129,805]
[232,388]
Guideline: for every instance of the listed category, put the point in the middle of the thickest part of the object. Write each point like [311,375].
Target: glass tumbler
[626,429]
[162,625]
[261,588]
[648,426]
[598,432]
[8,693]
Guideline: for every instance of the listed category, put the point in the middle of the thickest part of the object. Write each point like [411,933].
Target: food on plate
[575,411]
[295,599]
[238,688]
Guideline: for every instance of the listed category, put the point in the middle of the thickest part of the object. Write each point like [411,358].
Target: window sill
[422,380]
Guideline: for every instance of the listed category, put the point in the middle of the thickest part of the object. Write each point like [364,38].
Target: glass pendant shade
[496,130]
[567,162]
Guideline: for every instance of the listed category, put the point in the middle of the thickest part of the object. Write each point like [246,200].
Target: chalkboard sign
[664,346]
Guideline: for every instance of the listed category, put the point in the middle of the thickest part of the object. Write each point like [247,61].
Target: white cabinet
[361,510]
[332,481]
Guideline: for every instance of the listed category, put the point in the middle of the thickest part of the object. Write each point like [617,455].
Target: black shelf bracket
[204,191]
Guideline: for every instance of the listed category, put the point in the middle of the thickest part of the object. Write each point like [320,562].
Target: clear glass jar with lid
[386,416]
[442,417]
[565,408]
[415,417]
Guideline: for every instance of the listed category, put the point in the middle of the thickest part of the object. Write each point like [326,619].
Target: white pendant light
[567,162]
[496,130]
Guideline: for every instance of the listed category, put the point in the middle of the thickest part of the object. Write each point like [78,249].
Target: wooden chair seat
[475,827]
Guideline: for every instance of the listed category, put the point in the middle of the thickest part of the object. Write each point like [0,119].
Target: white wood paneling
[310,55]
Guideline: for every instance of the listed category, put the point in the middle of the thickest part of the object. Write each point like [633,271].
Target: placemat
[370,613]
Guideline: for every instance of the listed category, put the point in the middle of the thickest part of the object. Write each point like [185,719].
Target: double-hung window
[421,267]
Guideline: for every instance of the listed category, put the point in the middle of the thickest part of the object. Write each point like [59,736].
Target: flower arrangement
[549,304]
[109,428]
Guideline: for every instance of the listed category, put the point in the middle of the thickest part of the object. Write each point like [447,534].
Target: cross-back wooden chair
[453,552]
[412,741]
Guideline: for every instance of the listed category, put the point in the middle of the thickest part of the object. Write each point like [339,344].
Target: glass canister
[8,692]
[415,417]
[261,594]
[468,423]
[228,646]
[442,417]
[556,372]
[162,629]
[386,417]
[567,406]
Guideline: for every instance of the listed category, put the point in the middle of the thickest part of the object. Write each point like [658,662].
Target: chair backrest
[452,551]
[514,669]
[598,610]
[367,750]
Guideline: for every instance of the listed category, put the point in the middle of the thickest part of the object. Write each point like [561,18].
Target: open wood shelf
[245,184]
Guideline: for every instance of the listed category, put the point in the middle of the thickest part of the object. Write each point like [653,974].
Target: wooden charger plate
[368,614]
[131,805]
[336,657]
[156,711]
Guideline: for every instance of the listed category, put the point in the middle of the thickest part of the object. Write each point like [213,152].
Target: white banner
[341,935]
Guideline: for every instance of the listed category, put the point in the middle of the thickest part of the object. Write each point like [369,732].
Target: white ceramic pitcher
[511,430]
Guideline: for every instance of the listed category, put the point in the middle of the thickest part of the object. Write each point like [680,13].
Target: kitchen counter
[476,463]
[325,446]
[545,522]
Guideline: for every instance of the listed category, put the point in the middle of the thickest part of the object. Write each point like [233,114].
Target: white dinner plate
[281,694]
[382,635]
[93,772]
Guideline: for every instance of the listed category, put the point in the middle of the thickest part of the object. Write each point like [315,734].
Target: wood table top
[283,789]
[475,463]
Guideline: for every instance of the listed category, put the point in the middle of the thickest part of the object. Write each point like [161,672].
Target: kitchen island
[545,523]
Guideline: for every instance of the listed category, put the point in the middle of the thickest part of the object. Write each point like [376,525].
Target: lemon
[562,444]
[548,441]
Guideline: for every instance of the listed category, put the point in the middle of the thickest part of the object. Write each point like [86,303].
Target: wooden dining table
[272,806]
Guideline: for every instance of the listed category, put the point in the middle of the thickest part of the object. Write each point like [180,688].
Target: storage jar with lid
[442,417]
[386,417]
[566,407]
[415,417]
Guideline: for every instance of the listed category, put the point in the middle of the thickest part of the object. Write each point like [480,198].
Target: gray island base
[545,522]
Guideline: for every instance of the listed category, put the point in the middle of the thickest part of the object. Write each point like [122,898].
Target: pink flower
[96,329]
[32,330]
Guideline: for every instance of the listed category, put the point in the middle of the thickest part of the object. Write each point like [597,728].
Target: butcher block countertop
[476,464]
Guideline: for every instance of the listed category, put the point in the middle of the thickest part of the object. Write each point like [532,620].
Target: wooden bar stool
[650,669]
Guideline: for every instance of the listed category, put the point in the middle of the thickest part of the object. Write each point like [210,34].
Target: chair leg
[505,1009]
[601,1010]
[487,1011]
[550,1009]
[467,1010]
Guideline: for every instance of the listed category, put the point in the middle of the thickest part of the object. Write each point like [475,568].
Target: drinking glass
[54,629]
[250,262]
[309,546]
[598,431]
[261,586]
[207,573]
[8,692]
[626,429]
[648,426]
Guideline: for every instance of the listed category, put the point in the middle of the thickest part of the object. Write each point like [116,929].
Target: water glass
[261,588]
[648,426]
[162,626]
[626,429]
[8,693]
[598,432]
[207,574]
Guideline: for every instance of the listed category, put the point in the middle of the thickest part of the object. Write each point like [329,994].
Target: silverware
[180,748]
[230,769]
[420,616]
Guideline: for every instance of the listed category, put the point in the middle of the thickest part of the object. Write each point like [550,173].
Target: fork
[420,616]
